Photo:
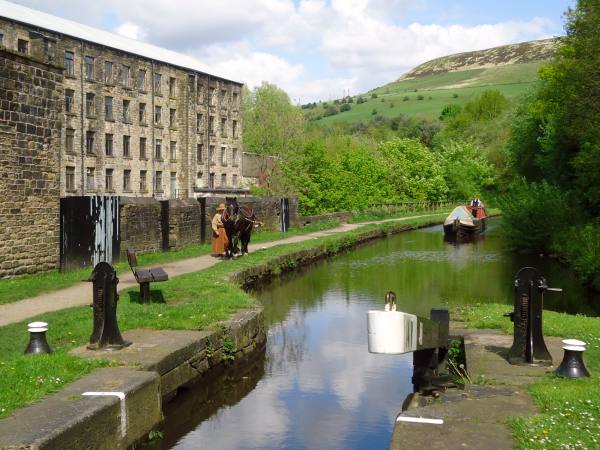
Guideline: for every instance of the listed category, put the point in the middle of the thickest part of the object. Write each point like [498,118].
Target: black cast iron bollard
[37,338]
[572,365]
[528,344]
[106,332]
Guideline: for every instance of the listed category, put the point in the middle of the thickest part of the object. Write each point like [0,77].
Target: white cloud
[311,48]
[131,30]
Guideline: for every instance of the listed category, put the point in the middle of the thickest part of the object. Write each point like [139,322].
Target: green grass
[512,81]
[570,409]
[194,301]
[14,289]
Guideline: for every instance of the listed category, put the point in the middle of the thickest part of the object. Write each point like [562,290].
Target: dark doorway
[285,214]
[89,231]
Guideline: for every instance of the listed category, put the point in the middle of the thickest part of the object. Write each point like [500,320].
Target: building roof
[76,30]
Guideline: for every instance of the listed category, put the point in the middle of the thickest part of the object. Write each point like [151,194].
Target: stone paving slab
[475,418]
[68,420]
[152,350]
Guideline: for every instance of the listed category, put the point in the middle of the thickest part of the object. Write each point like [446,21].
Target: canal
[317,387]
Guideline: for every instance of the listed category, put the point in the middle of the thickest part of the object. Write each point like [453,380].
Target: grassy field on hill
[426,96]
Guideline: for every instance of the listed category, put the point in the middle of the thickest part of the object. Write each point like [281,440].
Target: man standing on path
[219,239]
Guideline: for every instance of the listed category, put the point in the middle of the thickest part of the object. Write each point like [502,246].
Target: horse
[238,222]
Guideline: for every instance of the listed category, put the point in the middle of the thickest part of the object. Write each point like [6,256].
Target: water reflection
[321,388]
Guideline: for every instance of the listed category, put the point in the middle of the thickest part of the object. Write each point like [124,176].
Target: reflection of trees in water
[286,344]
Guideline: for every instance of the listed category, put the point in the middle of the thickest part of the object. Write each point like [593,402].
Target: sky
[317,49]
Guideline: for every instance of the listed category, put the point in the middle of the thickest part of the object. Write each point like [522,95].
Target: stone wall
[140,224]
[31,95]
[184,223]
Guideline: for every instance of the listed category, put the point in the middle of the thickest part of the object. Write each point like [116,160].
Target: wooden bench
[145,276]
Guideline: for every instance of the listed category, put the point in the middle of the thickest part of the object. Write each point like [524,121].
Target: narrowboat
[466,220]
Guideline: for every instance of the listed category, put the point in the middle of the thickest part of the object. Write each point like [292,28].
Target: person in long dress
[219,238]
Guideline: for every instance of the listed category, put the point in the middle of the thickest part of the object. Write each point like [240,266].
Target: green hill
[512,69]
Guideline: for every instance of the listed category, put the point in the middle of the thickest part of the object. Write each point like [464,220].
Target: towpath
[81,294]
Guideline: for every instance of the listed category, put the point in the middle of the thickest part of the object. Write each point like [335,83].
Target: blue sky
[317,49]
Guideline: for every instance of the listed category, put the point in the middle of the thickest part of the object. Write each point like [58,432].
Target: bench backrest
[131,258]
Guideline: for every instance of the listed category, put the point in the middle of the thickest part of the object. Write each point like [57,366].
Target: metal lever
[554,289]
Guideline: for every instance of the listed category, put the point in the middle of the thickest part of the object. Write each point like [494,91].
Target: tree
[557,132]
[466,170]
[450,111]
[272,125]
[414,171]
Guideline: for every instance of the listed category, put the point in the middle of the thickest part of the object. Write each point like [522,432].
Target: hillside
[522,53]
[425,90]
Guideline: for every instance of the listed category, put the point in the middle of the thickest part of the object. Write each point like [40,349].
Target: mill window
[69,97]
[23,46]
[108,144]
[70,64]
[89,68]
[141,80]
[70,178]
[90,178]
[142,148]
[108,180]
[126,147]
[108,72]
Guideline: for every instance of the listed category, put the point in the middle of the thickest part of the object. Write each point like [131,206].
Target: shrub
[373,95]
[450,111]
[405,98]
[455,95]
[360,100]
[345,107]
[331,111]
[534,215]
[420,97]
[374,112]
[391,104]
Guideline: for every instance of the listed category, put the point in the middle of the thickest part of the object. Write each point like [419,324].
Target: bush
[374,112]
[455,95]
[373,95]
[391,104]
[405,98]
[360,100]
[580,246]
[331,111]
[450,111]
[345,107]
[420,97]
[534,215]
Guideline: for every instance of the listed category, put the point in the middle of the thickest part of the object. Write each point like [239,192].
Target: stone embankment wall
[184,223]
[140,224]
[31,96]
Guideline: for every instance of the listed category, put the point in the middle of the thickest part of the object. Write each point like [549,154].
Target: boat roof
[460,212]
[115,41]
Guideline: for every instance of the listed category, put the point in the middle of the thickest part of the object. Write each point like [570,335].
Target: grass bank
[194,301]
[14,289]
[569,409]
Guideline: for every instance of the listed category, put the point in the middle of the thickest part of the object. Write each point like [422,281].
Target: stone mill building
[137,120]
[87,115]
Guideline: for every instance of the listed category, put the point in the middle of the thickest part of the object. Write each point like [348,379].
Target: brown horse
[238,222]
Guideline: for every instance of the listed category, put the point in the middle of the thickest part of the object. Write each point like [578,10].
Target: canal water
[317,387]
